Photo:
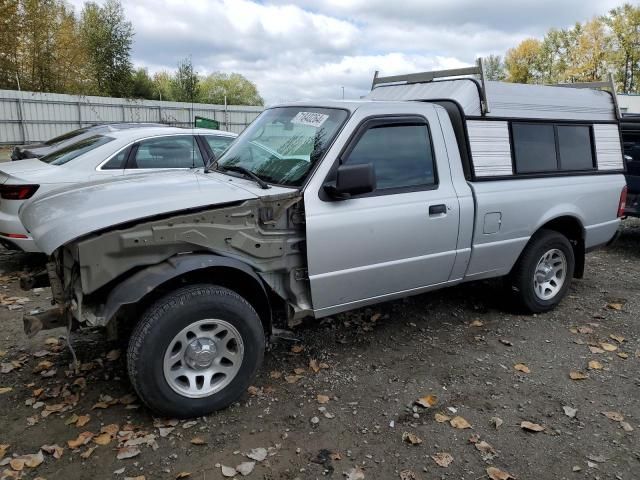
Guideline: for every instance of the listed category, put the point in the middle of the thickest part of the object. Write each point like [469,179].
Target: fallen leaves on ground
[617,338]
[5,390]
[297,349]
[245,468]
[570,411]
[443,459]
[408,475]
[521,367]
[113,355]
[127,452]
[441,417]
[228,471]
[595,365]
[476,323]
[183,475]
[3,449]
[257,454]
[55,450]
[615,416]
[575,375]
[427,401]
[82,420]
[83,439]
[459,422]
[496,422]
[594,349]
[292,378]
[411,438]
[608,347]
[623,355]
[532,427]
[88,452]
[614,306]
[356,473]
[322,399]
[198,441]
[497,474]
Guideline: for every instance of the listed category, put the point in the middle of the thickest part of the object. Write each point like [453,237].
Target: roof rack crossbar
[609,83]
[425,77]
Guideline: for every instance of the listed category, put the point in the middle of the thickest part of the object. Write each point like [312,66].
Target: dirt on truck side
[443,385]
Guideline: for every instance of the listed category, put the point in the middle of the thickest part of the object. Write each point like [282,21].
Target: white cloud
[312,48]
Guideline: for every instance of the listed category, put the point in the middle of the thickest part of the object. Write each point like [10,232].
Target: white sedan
[114,153]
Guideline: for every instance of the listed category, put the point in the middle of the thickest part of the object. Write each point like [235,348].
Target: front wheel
[543,273]
[195,351]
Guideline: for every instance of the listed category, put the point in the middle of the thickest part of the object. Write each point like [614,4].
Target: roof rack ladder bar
[484,102]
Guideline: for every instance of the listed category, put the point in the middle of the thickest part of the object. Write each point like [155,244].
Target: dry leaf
[292,378]
[532,427]
[497,474]
[112,429]
[496,422]
[5,390]
[459,422]
[623,355]
[299,371]
[614,306]
[245,468]
[617,338]
[625,426]
[164,432]
[82,420]
[228,471]
[411,438]
[313,365]
[408,475]
[443,459]
[584,329]
[54,450]
[297,348]
[356,473]
[428,401]
[275,374]
[615,416]
[593,349]
[336,456]
[32,460]
[100,405]
[577,375]
[487,451]
[198,441]
[103,439]
[127,399]
[476,323]
[570,411]
[608,347]
[113,355]
[183,475]
[441,417]
[323,399]
[87,453]
[257,454]
[521,367]
[83,439]
[595,365]
[17,463]
[127,452]
[3,449]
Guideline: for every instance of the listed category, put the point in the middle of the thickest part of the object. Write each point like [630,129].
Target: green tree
[142,84]
[624,25]
[162,86]
[494,67]
[238,90]
[522,62]
[185,83]
[107,36]
[10,27]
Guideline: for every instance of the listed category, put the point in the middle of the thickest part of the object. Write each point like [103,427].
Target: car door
[164,152]
[400,238]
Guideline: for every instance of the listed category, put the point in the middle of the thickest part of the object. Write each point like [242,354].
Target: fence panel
[29,117]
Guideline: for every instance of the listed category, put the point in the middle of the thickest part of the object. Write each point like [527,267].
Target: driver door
[397,240]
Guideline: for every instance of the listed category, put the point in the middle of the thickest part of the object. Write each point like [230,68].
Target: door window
[400,153]
[117,162]
[180,151]
[218,144]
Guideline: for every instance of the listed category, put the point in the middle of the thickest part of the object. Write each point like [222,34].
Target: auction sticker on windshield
[311,119]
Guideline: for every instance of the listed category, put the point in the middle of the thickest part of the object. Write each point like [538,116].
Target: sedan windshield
[283,144]
[64,155]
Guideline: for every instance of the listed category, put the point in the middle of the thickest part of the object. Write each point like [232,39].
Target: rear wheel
[195,351]
[543,273]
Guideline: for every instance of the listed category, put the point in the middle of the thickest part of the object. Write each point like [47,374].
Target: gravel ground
[340,402]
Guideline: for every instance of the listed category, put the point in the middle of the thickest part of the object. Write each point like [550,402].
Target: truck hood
[68,213]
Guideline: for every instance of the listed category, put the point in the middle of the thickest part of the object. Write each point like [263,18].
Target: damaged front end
[265,235]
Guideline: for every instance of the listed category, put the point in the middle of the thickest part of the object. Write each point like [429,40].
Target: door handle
[440,209]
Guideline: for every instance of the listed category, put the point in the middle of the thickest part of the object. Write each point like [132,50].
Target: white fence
[28,117]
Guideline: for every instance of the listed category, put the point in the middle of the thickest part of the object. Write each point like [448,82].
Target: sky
[310,49]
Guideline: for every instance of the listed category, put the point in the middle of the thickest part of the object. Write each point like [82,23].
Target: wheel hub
[550,274]
[200,353]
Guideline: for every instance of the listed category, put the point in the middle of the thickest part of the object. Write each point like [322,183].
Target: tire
[528,285]
[224,324]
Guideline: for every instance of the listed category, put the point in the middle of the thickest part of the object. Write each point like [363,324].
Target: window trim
[558,170]
[377,121]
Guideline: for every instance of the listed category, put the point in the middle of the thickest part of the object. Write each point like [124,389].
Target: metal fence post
[79,114]
[21,119]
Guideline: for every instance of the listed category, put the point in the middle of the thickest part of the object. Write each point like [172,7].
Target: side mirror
[352,180]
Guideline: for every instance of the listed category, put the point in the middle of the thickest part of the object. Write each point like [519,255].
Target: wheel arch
[146,285]
[571,227]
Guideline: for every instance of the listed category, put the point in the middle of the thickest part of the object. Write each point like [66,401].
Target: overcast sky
[311,48]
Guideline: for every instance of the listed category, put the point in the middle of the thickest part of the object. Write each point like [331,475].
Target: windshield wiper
[247,173]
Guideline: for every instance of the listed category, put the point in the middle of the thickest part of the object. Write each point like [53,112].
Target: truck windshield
[283,144]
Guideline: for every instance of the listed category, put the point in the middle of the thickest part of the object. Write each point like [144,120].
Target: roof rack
[425,77]
[609,83]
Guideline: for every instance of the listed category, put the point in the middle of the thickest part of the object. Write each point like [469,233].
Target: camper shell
[483,114]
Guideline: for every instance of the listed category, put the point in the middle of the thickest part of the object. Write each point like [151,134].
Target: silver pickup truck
[322,207]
